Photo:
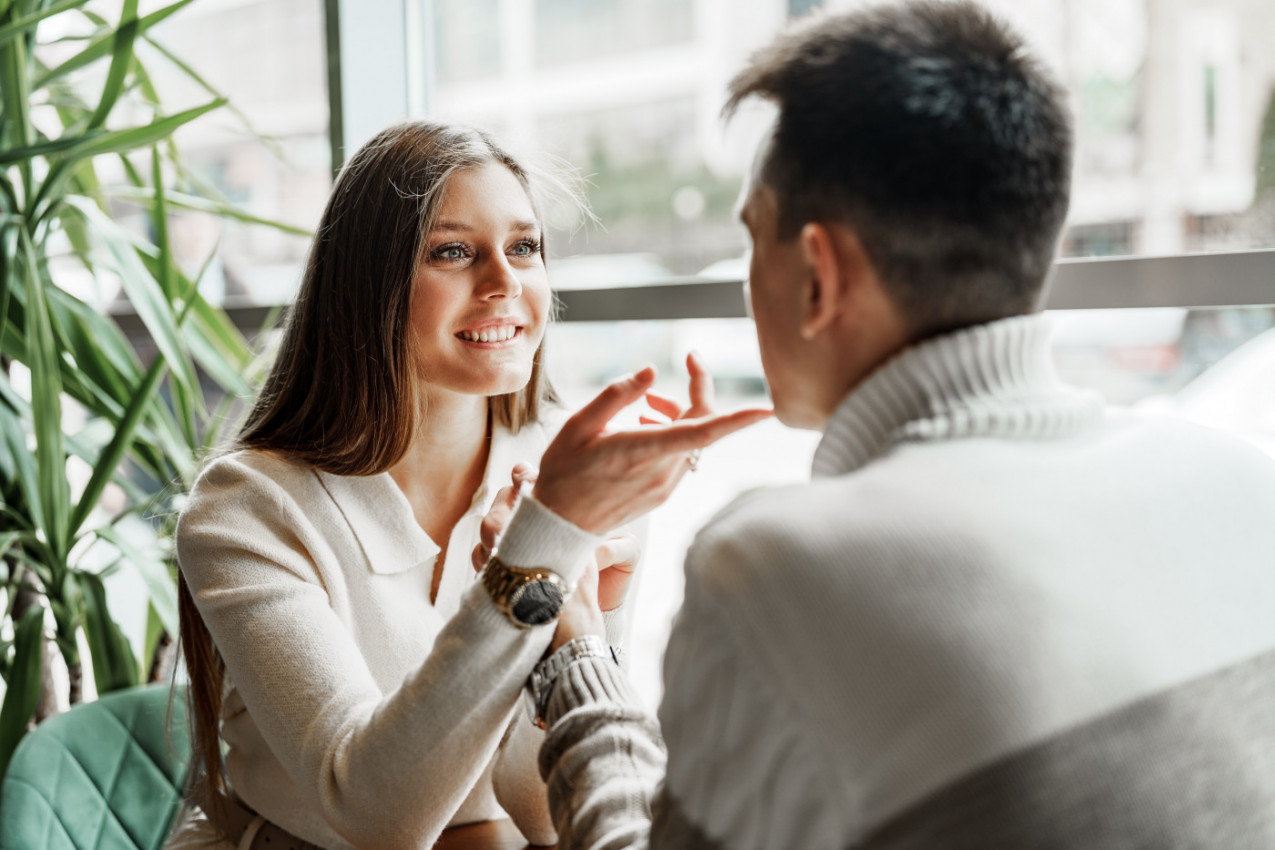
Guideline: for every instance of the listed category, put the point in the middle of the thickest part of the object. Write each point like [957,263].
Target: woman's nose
[499,280]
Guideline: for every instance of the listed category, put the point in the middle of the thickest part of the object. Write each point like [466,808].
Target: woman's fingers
[523,473]
[687,434]
[595,415]
[621,551]
[497,518]
[703,396]
[665,405]
[617,560]
[502,508]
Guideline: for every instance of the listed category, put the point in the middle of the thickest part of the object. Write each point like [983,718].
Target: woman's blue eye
[526,248]
[450,252]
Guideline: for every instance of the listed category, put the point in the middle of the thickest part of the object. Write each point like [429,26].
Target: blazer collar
[381,518]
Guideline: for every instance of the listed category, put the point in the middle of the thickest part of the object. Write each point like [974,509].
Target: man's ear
[826,288]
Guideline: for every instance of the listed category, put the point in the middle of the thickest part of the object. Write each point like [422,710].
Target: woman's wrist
[539,537]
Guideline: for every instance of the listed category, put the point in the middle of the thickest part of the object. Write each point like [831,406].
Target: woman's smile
[495,336]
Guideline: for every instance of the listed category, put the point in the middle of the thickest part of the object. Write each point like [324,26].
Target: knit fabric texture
[358,714]
[985,560]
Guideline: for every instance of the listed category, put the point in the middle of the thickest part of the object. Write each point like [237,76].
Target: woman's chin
[505,384]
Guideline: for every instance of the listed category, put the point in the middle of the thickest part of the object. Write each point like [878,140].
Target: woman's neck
[445,464]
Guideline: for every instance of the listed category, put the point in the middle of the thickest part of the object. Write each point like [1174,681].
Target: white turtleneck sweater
[988,572]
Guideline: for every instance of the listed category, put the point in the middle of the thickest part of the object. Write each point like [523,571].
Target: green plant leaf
[121,59]
[26,23]
[154,631]
[186,201]
[116,141]
[100,349]
[46,405]
[101,46]
[7,539]
[269,141]
[8,271]
[145,294]
[114,664]
[153,572]
[214,341]
[16,130]
[28,152]
[186,396]
[113,454]
[19,455]
[23,691]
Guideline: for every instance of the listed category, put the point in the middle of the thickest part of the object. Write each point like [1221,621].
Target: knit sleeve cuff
[591,681]
[615,622]
[537,537]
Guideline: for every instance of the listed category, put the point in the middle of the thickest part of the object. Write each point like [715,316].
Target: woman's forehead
[487,193]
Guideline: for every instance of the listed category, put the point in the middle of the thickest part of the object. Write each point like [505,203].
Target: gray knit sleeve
[603,759]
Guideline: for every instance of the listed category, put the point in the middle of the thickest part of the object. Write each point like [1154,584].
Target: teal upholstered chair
[107,775]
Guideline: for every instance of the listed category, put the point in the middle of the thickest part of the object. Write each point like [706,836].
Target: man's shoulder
[805,526]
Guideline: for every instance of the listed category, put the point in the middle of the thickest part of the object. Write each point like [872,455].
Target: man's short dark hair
[928,129]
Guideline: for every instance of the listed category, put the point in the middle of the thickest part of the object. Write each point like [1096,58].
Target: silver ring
[693,458]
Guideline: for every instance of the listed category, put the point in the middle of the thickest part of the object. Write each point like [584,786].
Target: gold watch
[528,596]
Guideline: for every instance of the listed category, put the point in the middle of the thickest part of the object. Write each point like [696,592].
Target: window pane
[467,39]
[569,31]
[1173,102]
[268,58]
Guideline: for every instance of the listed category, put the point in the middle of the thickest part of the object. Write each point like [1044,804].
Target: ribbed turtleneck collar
[992,380]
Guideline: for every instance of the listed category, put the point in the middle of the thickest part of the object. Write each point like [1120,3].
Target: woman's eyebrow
[453,226]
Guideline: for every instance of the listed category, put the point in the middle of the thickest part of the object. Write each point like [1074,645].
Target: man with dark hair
[1000,615]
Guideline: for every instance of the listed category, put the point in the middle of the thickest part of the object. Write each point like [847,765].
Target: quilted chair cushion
[107,775]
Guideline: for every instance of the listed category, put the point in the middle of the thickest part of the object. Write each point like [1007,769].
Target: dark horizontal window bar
[1193,280]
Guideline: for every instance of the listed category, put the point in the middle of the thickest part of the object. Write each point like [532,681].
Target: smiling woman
[359,679]
[362,683]
[482,281]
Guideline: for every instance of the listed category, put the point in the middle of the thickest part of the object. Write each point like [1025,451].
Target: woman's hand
[614,562]
[501,511]
[601,480]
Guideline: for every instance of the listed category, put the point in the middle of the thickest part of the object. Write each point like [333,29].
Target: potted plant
[140,425]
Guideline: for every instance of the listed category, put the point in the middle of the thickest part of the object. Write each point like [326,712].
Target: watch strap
[546,673]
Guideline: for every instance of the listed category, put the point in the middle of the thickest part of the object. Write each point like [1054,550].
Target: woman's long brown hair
[343,394]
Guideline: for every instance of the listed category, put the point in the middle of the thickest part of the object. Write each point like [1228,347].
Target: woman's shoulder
[249,481]
[252,467]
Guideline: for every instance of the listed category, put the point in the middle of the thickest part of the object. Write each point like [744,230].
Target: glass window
[569,31]
[1174,106]
[467,39]
[268,58]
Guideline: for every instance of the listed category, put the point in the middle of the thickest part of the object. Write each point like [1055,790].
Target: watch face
[536,603]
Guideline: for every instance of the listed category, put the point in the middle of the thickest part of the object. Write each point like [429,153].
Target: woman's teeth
[494,335]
